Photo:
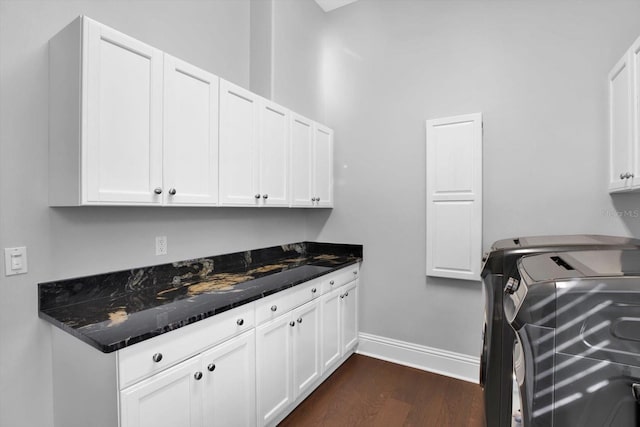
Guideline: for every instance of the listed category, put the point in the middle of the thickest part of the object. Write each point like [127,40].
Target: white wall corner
[443,362]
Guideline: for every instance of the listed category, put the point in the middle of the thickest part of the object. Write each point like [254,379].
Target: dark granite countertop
[115,310]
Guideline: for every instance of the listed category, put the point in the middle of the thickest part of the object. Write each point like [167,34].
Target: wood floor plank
[392,413]
[370,392]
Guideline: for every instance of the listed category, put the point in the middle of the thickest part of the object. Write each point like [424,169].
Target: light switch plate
[15,261]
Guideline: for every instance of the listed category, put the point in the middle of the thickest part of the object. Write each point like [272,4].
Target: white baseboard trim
[444,362]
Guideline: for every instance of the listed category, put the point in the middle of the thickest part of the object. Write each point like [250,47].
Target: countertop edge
[119,345]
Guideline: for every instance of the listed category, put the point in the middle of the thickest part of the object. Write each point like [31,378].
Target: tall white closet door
[454,197]
[123,103]
[190,134]
[274,154]
[239,154]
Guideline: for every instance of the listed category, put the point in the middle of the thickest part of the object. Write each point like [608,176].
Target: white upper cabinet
[254,149]
[454,197]
[624,122]
[323,166]
[190,134]
[239,178]
[110,143]
[620,125]
[131,125]
[124,117]
[311,163]
[301,161]
[273,145]
[106,117]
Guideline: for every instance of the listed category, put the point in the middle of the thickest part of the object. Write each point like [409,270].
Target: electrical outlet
[161,245]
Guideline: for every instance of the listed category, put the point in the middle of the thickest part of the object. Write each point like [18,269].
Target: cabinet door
[123,118]
[306,346]
[349,317]
[620,125]
[239,178]
[323,166]
[273,368]
[635,112]
[331,308]
[229,394]
[168,399]
[274,154]
[190,134]
[301,161]
[454,196]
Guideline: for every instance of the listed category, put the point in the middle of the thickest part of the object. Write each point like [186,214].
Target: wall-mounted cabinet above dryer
[624,122]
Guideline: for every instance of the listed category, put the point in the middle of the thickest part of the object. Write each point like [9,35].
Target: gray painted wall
[374,71]
[535,69]
[68,242]
[298,37]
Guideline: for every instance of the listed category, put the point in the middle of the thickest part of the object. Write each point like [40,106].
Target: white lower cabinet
[245,367]
[273,360]
[229,395]
[339,323]
[306,347]
[331,309]
[288,359]
[168,399]
[216,388]
[349,317]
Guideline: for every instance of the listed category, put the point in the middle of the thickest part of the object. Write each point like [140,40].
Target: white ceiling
[328,5]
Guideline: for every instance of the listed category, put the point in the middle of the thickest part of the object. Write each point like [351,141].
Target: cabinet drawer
[340,278]
[139,360]
[281,303]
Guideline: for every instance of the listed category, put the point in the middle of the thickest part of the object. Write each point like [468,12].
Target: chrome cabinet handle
[157,357]
[172,191]
[313,199]
[240,322]
[158,190]
[257,196]
[292,323]
[211,367]
[631,175]
[346,294]
[342,296]
[274,307]
[622,176]
[331,283]
[299,319]
[313,291]
[265,196]
[317,199]
[198,375]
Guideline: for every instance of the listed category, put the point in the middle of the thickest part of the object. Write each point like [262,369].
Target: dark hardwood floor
[371,392]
